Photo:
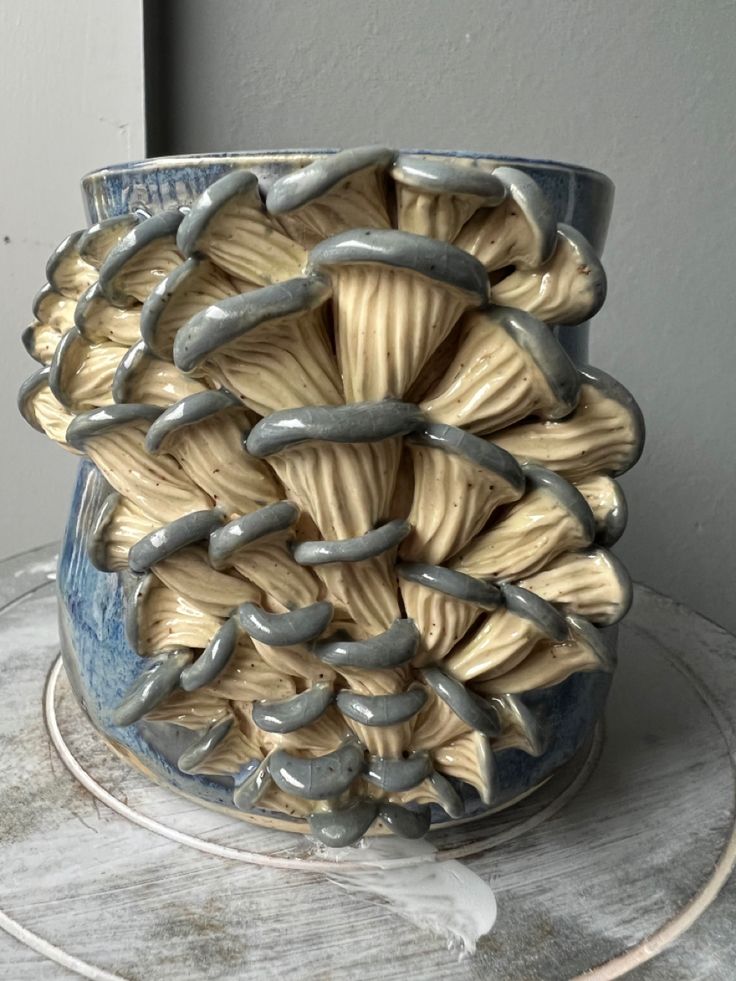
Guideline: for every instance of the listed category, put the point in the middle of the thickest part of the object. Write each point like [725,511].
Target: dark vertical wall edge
[158,48]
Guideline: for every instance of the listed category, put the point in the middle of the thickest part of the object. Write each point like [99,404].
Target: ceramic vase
[338,558]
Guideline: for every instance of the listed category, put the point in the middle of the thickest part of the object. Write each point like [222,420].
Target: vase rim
[256,157]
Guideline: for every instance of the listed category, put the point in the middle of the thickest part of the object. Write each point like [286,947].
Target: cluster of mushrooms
[361,500]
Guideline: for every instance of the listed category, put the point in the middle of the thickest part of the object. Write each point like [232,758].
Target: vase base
[84,750]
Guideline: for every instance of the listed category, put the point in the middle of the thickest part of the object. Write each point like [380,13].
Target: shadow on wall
[646,81]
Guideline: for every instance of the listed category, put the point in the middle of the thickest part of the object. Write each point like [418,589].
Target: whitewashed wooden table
[615,871]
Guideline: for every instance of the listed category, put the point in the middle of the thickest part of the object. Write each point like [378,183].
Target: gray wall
[642,90]
[72,100]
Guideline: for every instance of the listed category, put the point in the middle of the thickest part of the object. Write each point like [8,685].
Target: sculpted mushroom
[333,193]
[459,481]
[436,198]
[396,298]
[204,433]
[337,463]
[269,346]
[444,603]
[551,518]
[507,366]
[229,225]
[141,259]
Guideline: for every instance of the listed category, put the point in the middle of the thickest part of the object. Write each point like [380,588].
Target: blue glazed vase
[99,657]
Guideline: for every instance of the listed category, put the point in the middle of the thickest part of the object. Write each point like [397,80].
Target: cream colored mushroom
[396,298]
[333,193]
[508,365]
[228,224]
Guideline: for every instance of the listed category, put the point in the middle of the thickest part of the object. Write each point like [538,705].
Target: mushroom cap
[391,648]
[396,775]
[95,541]
[616,519]
[157,300]
[67,249]
[288,714]
[204,743]
[595,639]
[33,384]
[521,720]
[132,361]
[568,496]
[596,282]
[251,784]
[46,295]
[459,585]
[381,710]
[446,177]
[613,389]
[317,777]
[97,422]
[188,412]
[341,826]
[548,355]
[155,683]
[301,187]
[224,542]
[161,543]
[136,589]
[99,239]
[159,226]
[447,797]
[91,298]
[527,195]
[475,711]
[213,659]
[358,422]
[527,605]
[406,822]
[224,322]
[366,546]
[428,257]
[65,351]
[218,194]
[284,629]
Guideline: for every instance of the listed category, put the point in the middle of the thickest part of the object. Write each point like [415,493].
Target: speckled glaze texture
[338,556]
